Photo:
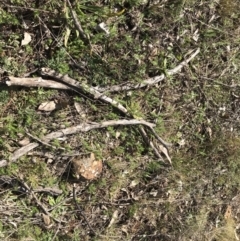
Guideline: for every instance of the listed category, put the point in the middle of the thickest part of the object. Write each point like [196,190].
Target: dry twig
[75,85]
[97,95]
[44,143]
[147,82]
[80,211]
[35,82]
[84,127]
[150,143]
[14,181]
[76,21]
[39,203]
[49,190]
[95,91]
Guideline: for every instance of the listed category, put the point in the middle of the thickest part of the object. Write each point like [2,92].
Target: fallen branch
[39,82]
[69,85]
[44,143]
[147,82]
[75,129]
[97,95]
[95,91]
[164,143]
[75,85]
[49,190]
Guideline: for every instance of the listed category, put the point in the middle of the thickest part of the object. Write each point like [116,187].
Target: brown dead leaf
[87,167]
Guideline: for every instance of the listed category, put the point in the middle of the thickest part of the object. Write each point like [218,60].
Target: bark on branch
[36,82]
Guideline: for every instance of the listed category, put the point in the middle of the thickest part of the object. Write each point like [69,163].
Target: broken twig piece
[35,82]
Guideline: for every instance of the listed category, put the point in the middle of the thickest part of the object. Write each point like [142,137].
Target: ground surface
[136,196]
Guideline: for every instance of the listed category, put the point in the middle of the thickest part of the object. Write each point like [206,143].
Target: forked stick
[75,129]
[75,85]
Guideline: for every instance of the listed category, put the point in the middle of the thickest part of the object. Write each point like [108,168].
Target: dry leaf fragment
[79,109]
[124,229]
[114,217]
[25,141]
[3,163]
[47,106]
[117,134]
[134,183]
[89,168]
[209,131]
[14,224]
[228,213]
[181,142]
[195,36]
[46,219]
[27,39]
